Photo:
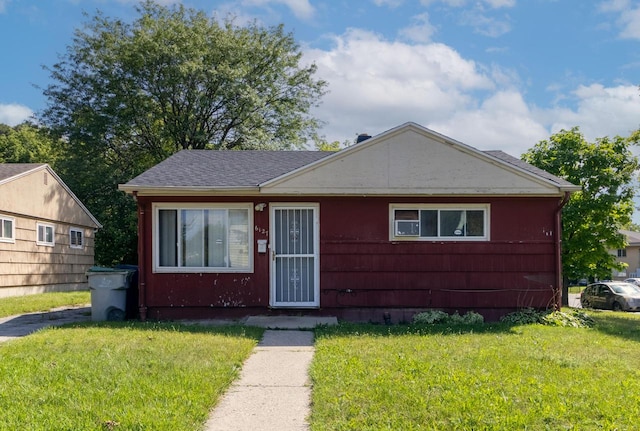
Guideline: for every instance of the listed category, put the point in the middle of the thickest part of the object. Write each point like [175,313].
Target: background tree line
[124,96]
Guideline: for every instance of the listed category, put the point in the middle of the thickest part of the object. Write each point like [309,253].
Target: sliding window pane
[217,239]
[452,223]
[168,227]
[475,223]
[238,238]
[429,223]
[192,238]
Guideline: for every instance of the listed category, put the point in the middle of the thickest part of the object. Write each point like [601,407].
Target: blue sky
[494,74]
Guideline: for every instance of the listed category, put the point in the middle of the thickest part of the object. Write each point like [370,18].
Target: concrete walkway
[273,392]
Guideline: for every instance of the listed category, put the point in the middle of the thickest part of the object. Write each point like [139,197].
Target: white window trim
[398,206]
[12,237]
[81,232]
[53,234]
[179,206]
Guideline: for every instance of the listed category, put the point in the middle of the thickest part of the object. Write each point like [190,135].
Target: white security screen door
[294,256]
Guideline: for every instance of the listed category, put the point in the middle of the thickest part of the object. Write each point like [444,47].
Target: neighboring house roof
[633,238]
[408,159]
[11,172]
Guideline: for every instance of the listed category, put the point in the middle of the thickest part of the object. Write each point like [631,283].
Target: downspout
[560,296]
[142,308]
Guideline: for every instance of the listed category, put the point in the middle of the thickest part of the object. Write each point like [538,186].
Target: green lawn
[483,377]
[42,302]
[119,376]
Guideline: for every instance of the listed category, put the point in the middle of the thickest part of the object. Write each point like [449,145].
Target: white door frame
[311,297]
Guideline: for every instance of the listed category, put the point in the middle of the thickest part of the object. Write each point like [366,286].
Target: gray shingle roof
[233,169]
[527,167]
[220,169]
[9,170]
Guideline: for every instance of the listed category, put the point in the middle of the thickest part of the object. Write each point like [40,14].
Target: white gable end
[411,160]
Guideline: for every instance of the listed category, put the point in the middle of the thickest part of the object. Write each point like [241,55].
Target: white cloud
[630,21]
[302,9]
[502,122]
[613,5]
[390,3]
[484,24]
[376,84]
[600,111]
[495,4]
[13,114]
[629,17]
[420,31]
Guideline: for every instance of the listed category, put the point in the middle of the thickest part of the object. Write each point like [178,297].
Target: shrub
[430,317]
[527,316]
[469,318]
[437,316]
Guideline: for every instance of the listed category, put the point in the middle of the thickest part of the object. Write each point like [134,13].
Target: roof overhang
[188,191]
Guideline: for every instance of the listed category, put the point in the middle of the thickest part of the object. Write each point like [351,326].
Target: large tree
[127,95]
[28,143]
[593,216]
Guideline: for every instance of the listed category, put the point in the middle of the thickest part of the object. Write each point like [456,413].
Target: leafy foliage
[592,217]
[28,143]
[127,95]
[438,316]
[574,318]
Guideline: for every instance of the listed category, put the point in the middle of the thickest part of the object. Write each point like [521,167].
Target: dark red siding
[363,274]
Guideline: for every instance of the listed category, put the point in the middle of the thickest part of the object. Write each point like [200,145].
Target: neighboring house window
[6,229]
[203,238]
[76,238]
[622,252]
[439,222]
[45,234]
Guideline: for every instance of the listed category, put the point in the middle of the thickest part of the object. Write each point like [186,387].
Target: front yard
[135,376]
[483,377]
[119,376]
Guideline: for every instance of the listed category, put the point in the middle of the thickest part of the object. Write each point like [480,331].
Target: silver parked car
[635,281]
[611,295]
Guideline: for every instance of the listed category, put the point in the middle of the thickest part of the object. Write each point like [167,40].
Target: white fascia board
[188,191]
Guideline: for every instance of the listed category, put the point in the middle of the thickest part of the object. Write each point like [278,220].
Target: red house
[401,222]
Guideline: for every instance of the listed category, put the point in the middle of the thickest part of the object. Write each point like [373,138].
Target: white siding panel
[409,163]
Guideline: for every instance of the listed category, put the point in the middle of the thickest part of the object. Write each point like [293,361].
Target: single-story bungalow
[398,223]
[46,233]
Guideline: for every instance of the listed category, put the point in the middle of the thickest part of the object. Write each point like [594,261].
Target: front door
[294,255]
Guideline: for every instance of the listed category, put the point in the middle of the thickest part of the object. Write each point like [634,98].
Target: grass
[119,376]
[481,377]
[42,302]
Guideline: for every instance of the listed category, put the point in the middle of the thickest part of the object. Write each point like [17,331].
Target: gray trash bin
[108,293]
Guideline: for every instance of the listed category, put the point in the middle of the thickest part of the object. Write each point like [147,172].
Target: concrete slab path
[273,392]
